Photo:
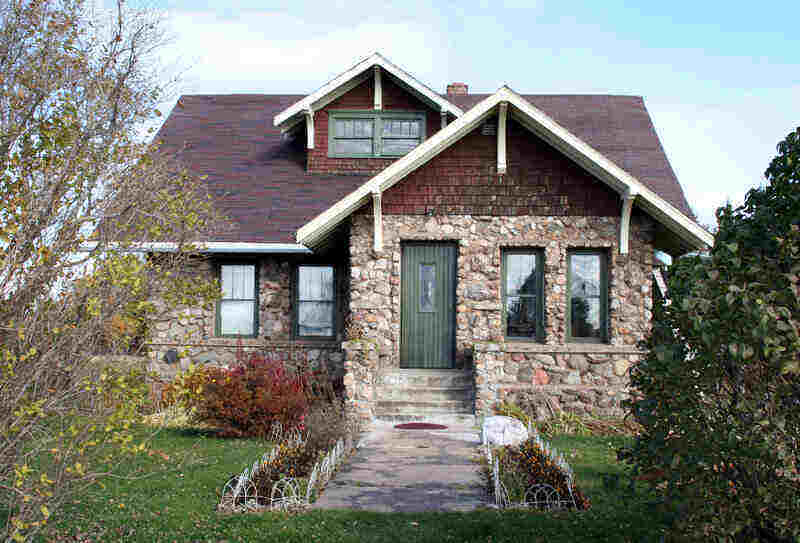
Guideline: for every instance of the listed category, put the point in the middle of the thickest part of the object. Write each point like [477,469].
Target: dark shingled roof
[259,181]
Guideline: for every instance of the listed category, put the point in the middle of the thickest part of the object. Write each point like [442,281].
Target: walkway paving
[409,471]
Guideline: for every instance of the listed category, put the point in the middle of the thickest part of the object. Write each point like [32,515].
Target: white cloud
[274,52]
[720,151]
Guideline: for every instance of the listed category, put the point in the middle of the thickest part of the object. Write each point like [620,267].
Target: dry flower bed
[531,475]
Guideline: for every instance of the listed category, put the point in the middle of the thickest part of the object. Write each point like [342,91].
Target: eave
[349,79]
[629,188]
[207,247]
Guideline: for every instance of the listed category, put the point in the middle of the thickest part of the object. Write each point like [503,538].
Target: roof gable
[352,78]
[542,125]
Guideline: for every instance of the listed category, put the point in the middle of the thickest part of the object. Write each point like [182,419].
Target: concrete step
[420,394]
[447,419]
[450,419]
[426,395]
[403,407]
[427,378]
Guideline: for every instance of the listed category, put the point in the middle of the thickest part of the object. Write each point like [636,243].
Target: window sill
[557,348]
[532,340]
[380,157]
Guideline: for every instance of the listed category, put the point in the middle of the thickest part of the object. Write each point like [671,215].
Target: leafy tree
[75,92]
[718,394]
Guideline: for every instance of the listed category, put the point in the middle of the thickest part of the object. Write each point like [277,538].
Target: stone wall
[191,330]
[576,378]
[480,343]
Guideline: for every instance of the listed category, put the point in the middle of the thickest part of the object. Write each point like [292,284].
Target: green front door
[428,299]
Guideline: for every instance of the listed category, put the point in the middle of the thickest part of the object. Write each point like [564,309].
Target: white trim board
[355,75]
[209,247]
[314,232]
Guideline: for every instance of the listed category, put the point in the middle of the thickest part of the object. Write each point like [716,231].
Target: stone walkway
[409,471]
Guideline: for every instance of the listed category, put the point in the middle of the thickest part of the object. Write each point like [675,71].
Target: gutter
[209,247]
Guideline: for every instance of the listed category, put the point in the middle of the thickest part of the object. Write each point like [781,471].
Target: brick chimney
[457,89]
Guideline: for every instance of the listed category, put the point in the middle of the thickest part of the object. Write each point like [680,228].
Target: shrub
[249,399]
[525,465]
[718,394]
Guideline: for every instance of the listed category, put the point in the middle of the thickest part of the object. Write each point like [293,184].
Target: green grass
[177,503]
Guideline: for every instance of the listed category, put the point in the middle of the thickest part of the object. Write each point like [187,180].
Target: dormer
[365,118]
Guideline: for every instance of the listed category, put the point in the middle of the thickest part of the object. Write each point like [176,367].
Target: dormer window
[369,134]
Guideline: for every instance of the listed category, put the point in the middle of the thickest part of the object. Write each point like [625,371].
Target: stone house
[439,252]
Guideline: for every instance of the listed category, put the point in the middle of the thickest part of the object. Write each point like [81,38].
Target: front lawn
[176,489]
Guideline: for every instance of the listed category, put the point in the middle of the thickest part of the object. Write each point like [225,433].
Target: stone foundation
[361,373]
[581,379]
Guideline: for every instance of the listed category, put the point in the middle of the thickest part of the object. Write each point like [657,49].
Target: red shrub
[249,398]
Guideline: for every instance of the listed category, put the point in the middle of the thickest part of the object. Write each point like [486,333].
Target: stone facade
[502,367]
[191,331]
[578,378]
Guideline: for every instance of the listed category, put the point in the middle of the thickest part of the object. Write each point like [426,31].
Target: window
[522,294]
[427,288]
[364,134]
[237,311]
[315,296]
[587,296]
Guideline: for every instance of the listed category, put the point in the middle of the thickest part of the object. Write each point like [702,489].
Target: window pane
[585,291]
[352,147]
[397,128]
[520,274]
[227,281]
[344,128]
[427,288]
[238,281]
[315,283]
[585,321]
[315,318]
[362,128]
[585,275]
[398,146]
[521,316]
[236,318]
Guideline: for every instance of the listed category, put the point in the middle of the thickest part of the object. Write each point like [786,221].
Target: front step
[427,378]
[441,396]
[455,419]
[425,394]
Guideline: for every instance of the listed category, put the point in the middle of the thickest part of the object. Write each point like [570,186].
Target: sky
[721,80]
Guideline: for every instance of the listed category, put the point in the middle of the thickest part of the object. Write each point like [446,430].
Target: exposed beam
[625,221]
[309,113]
[378,90]
[292,124]
[377,238]
[502,114]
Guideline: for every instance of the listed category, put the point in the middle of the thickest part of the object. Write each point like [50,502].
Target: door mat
[420,426]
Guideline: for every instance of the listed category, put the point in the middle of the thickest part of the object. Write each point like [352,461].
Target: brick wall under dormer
[362,97]
[463,180]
